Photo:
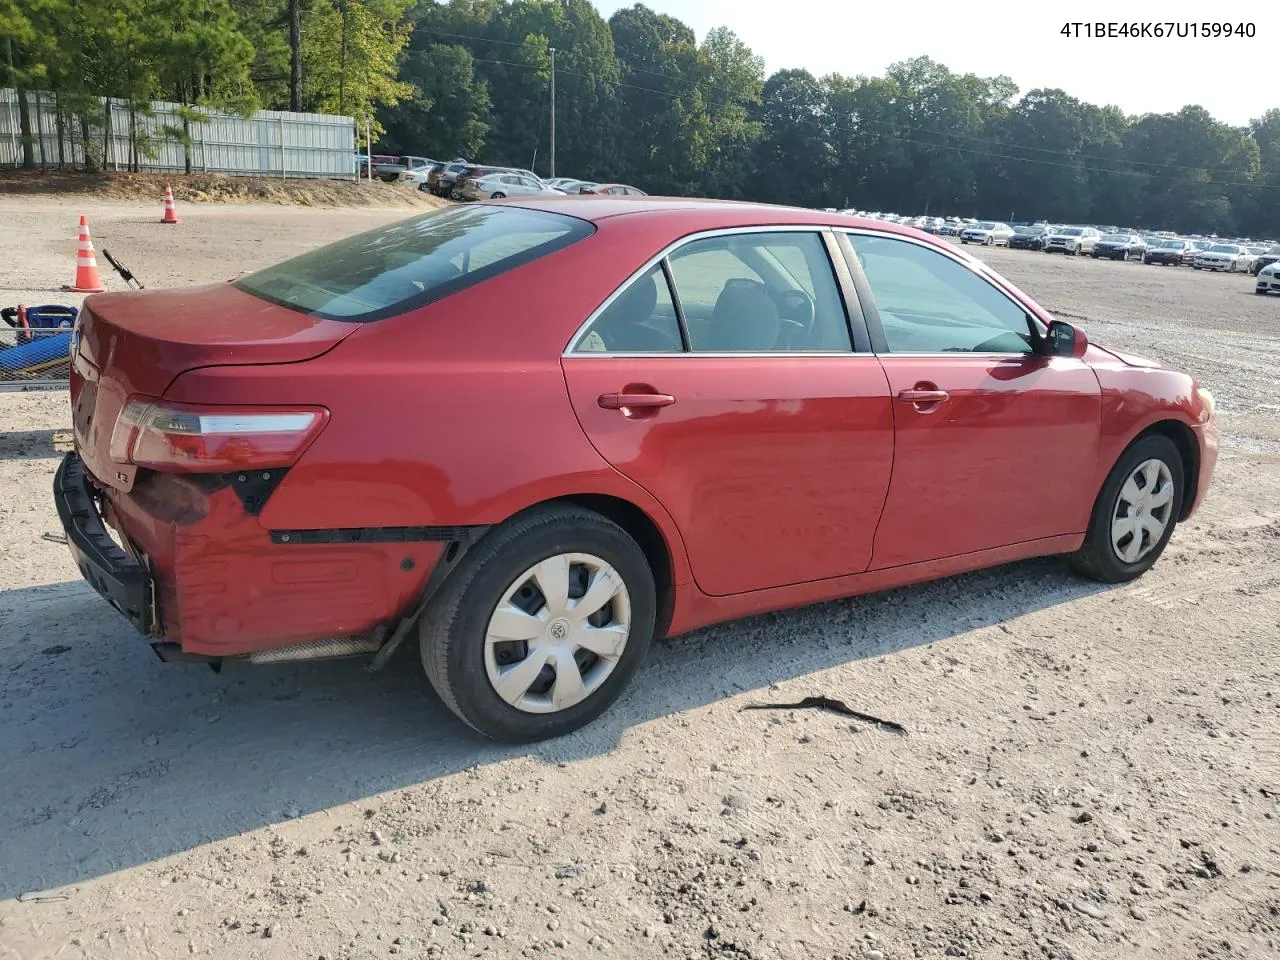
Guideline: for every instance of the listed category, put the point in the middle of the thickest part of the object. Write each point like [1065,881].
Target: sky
[1233,78]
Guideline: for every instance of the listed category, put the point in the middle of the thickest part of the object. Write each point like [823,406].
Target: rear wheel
[1134,515]
[497,196]
[541,626]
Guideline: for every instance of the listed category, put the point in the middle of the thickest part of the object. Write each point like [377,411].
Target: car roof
[689,214]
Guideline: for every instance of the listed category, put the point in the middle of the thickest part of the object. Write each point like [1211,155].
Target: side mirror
[1064,340]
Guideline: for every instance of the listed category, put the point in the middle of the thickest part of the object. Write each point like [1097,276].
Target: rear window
[411,263]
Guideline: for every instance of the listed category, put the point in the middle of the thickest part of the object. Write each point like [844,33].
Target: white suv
[1072,240]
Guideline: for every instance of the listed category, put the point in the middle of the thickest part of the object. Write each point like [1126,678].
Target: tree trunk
[106,135]
[342,66]
[24,126]
[295,55]
[61,126]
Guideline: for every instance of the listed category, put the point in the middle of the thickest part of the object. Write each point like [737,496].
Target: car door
[531,185]
[995,444]
[748,403]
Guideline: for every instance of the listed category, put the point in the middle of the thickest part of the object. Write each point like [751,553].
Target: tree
[350,53]
[793,156]
[295,55]
[658,63]
[447,115]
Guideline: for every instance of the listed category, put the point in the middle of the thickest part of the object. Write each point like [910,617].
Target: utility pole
[553,111]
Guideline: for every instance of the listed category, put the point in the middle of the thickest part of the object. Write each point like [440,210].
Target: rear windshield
[404,265]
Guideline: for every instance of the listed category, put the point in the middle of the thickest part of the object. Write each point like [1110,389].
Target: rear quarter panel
[453,414]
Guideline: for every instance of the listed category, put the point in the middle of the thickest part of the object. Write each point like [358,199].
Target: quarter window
[929,303]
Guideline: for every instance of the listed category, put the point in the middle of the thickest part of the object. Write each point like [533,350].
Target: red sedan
[541,433]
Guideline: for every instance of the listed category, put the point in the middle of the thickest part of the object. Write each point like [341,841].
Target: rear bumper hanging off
[120,579]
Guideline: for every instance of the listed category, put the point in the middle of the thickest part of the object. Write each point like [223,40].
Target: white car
[418,176]
[988,233]
[1223,256]
[1268,279]
[495,186]
[1072,240]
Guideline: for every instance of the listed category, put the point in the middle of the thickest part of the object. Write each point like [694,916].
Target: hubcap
[557,633]
[1143,510]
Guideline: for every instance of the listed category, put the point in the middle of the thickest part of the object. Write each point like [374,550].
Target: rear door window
[405,265]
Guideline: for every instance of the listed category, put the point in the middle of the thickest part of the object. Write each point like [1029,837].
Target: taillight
[186,438]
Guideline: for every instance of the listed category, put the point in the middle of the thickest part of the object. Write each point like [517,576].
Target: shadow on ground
[112,759]
[28,444]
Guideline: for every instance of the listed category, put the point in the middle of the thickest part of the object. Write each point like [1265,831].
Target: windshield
[1223,248]
[411,263]
[984,225]
[1116,238]
[1174,244]
[1071,231]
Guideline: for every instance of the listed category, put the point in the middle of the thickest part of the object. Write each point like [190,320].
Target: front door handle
[923,396]
[625,401]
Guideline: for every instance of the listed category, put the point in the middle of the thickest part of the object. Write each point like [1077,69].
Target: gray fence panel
[268,143]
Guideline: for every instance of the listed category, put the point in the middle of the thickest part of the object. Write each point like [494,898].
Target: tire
[1261,293]
[497,196]
[1098,558]
[453,633]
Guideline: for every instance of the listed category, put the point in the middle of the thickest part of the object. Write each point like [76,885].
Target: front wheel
[497,196]
[1134,515]
[541,626]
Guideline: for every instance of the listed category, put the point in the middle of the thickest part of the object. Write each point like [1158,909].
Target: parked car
[1265,260]
[441,179]
[418,176]
[390,169]
[1269,278]
[987,232]
[321,458]
[1169,250]
[362,163]
[495,186]
[1028,238]
[1071,240]
[473,170]
[1119,246]
[1223,256]
[623,190]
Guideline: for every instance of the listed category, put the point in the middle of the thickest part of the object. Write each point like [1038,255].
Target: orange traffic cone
[87,279]
[170,211]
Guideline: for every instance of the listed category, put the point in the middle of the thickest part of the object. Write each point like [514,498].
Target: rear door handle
[621,401]
[923,396]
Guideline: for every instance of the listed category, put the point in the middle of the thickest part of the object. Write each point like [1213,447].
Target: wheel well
[1188,449]
[650,539]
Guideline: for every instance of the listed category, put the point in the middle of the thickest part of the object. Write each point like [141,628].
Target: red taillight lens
[185,438]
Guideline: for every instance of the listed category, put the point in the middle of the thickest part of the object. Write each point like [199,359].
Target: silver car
[1072,241]
[515,183]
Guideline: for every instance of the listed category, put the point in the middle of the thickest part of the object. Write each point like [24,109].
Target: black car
[1265,260]
[1119,246]
[1028,238]
[1170,250]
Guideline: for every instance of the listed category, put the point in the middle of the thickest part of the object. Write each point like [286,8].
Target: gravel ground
[1088,772]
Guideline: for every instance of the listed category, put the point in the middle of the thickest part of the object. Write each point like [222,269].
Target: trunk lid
[137,343]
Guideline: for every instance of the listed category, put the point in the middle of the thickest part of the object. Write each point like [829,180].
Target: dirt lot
[1089,772]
